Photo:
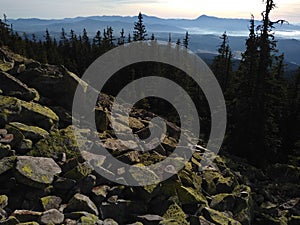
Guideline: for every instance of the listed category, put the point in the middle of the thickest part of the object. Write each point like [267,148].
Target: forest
[263,105]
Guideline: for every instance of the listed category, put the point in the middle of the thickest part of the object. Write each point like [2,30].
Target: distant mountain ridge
[205,30]
[202,25]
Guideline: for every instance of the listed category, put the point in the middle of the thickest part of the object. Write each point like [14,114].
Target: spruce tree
[139,33]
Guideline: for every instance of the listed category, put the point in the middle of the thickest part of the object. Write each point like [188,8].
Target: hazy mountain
[204,30]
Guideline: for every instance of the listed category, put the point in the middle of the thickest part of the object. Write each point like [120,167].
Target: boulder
[11,86]
[81,202]
[294,220]
[52,216]
[218,218]
[36,171]
[109,222]
[5,150]
[51,202]
[7,164]
[174,215]
[26,215]
[57,143]
[45,77]
[31,113]
[10,221]
[30,132]
[284,173]
[3,201]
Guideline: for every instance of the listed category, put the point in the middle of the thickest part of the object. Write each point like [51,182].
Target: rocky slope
[45,180]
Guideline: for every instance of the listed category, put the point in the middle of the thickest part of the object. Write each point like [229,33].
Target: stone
[213,182]
[57,143]
[18,137]
[3,201]
[64,183]
[284,173]
[174,215]
[109,222]
[218,217]
[52,216]
[30,132]
[27,112]
[11,86]
[150,219]
[36,172]
[100,193]
[81,202]
[5,150]
[188,195]
[7,164]
[44,78]
[294,220]
[25,147]
[26,215]
[122,210]
[51,202]
[10,221]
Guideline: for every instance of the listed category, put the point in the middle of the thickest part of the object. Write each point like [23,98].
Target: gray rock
[81,202]
[30,132]
[11,86]
[109,222]
[51,202]
[26,215]
[36,171]
[52,216]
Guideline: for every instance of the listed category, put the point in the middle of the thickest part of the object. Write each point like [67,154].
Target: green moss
[174,215]
[89,220]
[3,201]
[5,66]
[62,141]
[42,110]
[218,218]
[79,172]
[27,169]
[188,195]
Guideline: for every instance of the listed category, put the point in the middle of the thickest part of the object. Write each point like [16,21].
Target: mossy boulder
[35,171]
[188,195]
[10,221]
[284,173]
[11,86]
[26,215]
[294,220]
[52,216]
[3,201]
[214,182]
[5,150]
[31,113]
[30,132]
[51,202]
[7,164]
[62,141]
[174,216]
[44,77]
[218,218]
[81,202]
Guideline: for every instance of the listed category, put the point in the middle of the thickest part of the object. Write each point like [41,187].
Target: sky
[190,9]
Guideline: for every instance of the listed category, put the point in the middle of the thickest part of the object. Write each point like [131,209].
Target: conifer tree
[186,40]
[139,33]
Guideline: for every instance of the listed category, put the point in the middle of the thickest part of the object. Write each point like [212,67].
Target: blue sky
[287,9]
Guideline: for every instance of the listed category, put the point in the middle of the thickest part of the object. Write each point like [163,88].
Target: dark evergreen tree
[186,40]
[139,33]
[222,64]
